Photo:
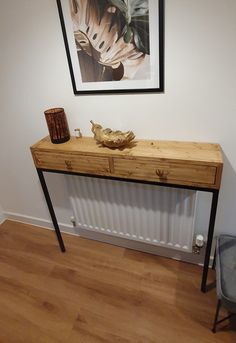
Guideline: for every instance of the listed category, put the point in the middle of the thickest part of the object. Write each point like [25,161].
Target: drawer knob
[68,164]
[162,173]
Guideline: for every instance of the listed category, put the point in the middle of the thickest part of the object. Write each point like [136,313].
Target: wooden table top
[206,153]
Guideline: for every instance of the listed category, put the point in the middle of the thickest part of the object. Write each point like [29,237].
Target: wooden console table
[196,166]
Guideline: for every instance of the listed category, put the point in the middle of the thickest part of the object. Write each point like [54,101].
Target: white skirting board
[44,223]
[2,217]
[143,247]
[130,244]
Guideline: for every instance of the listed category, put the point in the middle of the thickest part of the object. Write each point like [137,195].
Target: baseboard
[2,218]
[144,247]
[122,242]
[44,223]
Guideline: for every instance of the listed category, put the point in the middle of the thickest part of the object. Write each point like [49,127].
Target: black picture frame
[153,75]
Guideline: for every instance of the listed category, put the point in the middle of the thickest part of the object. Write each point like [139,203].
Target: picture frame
[114,46]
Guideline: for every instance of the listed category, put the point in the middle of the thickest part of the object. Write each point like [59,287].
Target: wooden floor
[98,293]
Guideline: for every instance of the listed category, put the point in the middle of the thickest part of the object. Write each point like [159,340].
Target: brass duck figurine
[109,138]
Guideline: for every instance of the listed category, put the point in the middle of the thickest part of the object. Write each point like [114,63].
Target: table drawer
[169,172]
[71,162]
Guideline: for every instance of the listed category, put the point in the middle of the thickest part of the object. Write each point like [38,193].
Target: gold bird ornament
[110,138]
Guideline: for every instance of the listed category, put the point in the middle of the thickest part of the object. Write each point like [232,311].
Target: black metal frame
[51,210]
[161,9]
[214,261]
[216,321]
[215,194]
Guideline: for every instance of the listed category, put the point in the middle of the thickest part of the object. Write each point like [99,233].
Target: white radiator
[155,215]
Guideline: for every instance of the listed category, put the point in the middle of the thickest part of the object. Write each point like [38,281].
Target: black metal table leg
[214,261]
[209,238]
[51,210]
[216,316]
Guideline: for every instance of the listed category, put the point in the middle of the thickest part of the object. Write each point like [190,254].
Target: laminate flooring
[99,293]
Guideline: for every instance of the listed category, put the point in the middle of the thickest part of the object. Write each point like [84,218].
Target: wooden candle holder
[57,125]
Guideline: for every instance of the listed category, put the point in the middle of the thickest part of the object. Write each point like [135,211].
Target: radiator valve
[72,220]
[199,243]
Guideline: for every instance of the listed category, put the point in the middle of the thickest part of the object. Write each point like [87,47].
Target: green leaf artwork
[135,15]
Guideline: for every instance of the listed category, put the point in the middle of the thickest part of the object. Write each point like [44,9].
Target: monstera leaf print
[133,17]
[136,15]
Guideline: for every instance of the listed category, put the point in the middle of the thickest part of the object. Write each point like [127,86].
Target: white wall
[198,103]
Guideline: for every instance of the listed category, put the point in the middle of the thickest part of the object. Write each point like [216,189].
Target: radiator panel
[155,215]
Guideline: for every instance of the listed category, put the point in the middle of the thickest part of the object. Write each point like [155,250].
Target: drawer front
[73,163]
[169,172]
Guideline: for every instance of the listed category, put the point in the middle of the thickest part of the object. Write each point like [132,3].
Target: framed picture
[114,46]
